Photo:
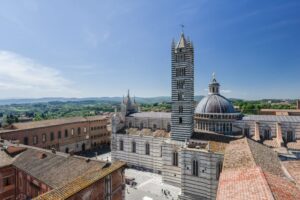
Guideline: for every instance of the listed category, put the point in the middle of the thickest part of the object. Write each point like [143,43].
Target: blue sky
[96,48]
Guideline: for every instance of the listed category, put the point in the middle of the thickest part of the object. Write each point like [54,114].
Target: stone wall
[152,162]
[203,186]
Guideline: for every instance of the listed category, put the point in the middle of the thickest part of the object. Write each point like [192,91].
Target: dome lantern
[214,86]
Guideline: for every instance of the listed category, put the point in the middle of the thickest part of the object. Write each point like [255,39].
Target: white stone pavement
[149,187]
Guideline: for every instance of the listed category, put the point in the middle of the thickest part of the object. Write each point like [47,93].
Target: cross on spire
[182,27]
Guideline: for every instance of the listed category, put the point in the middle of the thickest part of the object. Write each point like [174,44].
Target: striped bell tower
[182,117]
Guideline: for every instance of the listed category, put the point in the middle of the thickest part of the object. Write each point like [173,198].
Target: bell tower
[182,117]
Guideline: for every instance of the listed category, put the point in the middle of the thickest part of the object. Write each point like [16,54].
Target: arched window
[35,139]
[59,134]
[266,134]
[289,136]
[180,120]
[121,145]
[141,125]
[147,149]
[133,147]
[180,109]
[78,130]
[180,96]
[195,168]
[175,158]
[154,127]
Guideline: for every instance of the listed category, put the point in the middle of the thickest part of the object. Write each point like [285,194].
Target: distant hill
[104,99]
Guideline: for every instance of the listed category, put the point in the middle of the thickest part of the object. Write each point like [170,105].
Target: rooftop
[52,122]
[151,115]
[253,171]
[212,136]
[83,181]
[275,118]
[6,160]
[48,167]
[293,167]
[148,132]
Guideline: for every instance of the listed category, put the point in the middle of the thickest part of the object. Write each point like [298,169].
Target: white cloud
[222,91]
[95,39]
[226,91]
[23,77]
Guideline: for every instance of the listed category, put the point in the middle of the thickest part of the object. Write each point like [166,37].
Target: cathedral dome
[214,103]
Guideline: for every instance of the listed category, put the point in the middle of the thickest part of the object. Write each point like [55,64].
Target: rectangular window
[108,187]
[175,158]
[66,133]
[35,139]
[51,136]
[133,147]
[44,138]
[147,149]
[7,181]
[121,145]
[84,129]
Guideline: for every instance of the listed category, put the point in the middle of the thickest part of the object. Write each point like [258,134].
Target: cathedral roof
[214,103]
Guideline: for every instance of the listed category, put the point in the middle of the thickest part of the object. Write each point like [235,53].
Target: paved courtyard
[149,187]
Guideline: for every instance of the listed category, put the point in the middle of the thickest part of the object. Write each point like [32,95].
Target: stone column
[279,138]
[256,133]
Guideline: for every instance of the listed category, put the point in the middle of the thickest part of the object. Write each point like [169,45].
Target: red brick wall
[9,190]
[28,186]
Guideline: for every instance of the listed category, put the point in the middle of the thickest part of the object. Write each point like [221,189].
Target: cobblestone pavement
[149,187]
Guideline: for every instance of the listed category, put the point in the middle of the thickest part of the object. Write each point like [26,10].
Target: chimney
[298,104]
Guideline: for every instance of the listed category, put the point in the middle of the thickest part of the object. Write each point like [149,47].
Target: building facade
[35,173]
[72,134]
[187,146]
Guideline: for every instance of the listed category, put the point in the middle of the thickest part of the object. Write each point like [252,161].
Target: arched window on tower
[195,168]
[180,109]
[180,120]
[180,96]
